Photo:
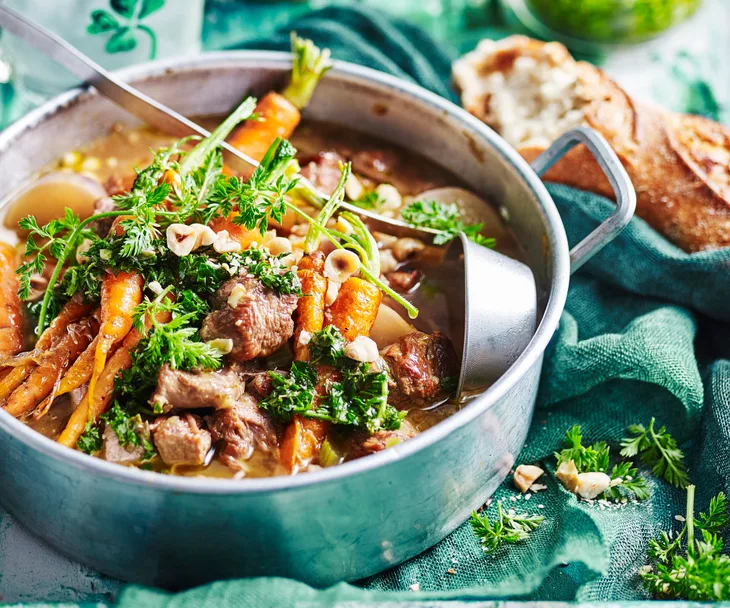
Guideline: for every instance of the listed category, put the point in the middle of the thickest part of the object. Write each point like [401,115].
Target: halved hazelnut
[341,264]
[181,239]
[225,244]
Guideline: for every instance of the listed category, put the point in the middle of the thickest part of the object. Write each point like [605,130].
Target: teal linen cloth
[646,332]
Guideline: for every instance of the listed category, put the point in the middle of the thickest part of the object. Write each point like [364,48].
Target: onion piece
[47,198]
[389,327]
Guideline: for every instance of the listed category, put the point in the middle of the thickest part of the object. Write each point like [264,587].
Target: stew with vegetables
[164,312]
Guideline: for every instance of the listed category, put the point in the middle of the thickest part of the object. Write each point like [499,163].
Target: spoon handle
[152,112]
[140,105]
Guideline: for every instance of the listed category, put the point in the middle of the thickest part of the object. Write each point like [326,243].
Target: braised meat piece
[256,318]
[259,384]
[375,164]
[323,170]
[241,429]
[181,440]
[115,452]
[419,363]
[191,390]
[370,444]
[404,280]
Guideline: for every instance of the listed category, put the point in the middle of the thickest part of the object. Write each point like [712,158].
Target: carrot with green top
[279,113]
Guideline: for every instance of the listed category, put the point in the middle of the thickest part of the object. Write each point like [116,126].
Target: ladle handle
[618,178]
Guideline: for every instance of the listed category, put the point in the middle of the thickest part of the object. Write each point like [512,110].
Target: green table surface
[687,69]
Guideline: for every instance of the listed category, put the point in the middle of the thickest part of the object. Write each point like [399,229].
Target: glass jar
[589,23]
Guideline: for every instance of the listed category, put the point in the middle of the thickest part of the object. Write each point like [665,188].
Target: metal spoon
[496,329]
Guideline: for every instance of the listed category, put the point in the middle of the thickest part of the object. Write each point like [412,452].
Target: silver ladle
[498,296]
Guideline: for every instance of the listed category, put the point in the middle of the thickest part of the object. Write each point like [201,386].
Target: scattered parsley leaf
[90,440]
[447,219]
[659,450]
[687,568]
[292,393]
[588,459]
[508,527]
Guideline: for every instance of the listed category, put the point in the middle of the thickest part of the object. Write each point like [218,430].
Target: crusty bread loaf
[531,92]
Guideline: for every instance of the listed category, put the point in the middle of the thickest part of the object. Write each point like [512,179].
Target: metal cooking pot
[345,522]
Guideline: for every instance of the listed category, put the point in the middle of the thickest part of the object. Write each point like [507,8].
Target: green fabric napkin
[645,333]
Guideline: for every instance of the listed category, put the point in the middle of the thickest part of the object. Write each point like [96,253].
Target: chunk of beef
[240,430]
[363,445]
[191,390]
[404,280]
[375,164]
[256,318]
[115,452]
[323,170]
[259,384]
[181,440]
[419,363]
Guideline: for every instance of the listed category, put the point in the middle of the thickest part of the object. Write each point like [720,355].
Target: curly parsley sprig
[446,219]
[686,568]
[508,527]
[657,449]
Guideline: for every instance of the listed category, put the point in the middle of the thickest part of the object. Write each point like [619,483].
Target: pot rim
[557,256]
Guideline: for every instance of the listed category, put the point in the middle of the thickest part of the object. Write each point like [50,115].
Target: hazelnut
[354,188]
[362,349]
[225,244]
[567,473]
[526,475]
[387,261]
[222,345]
[341,264]
[330,295]
[181,239]
[406,248]
[390,196]
[279,245]
[591,485]
[81,250]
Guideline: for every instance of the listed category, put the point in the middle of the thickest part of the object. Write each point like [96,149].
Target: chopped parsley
[445,218]
[90,440]
[293,393]
[355,396]
[327,346]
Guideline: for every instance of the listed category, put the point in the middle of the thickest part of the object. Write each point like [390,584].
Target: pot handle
[617,176]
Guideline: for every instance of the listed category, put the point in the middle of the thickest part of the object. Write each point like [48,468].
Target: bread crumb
[415,587]
[451,571]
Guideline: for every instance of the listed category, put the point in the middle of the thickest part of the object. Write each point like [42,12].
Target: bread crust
[679,164]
